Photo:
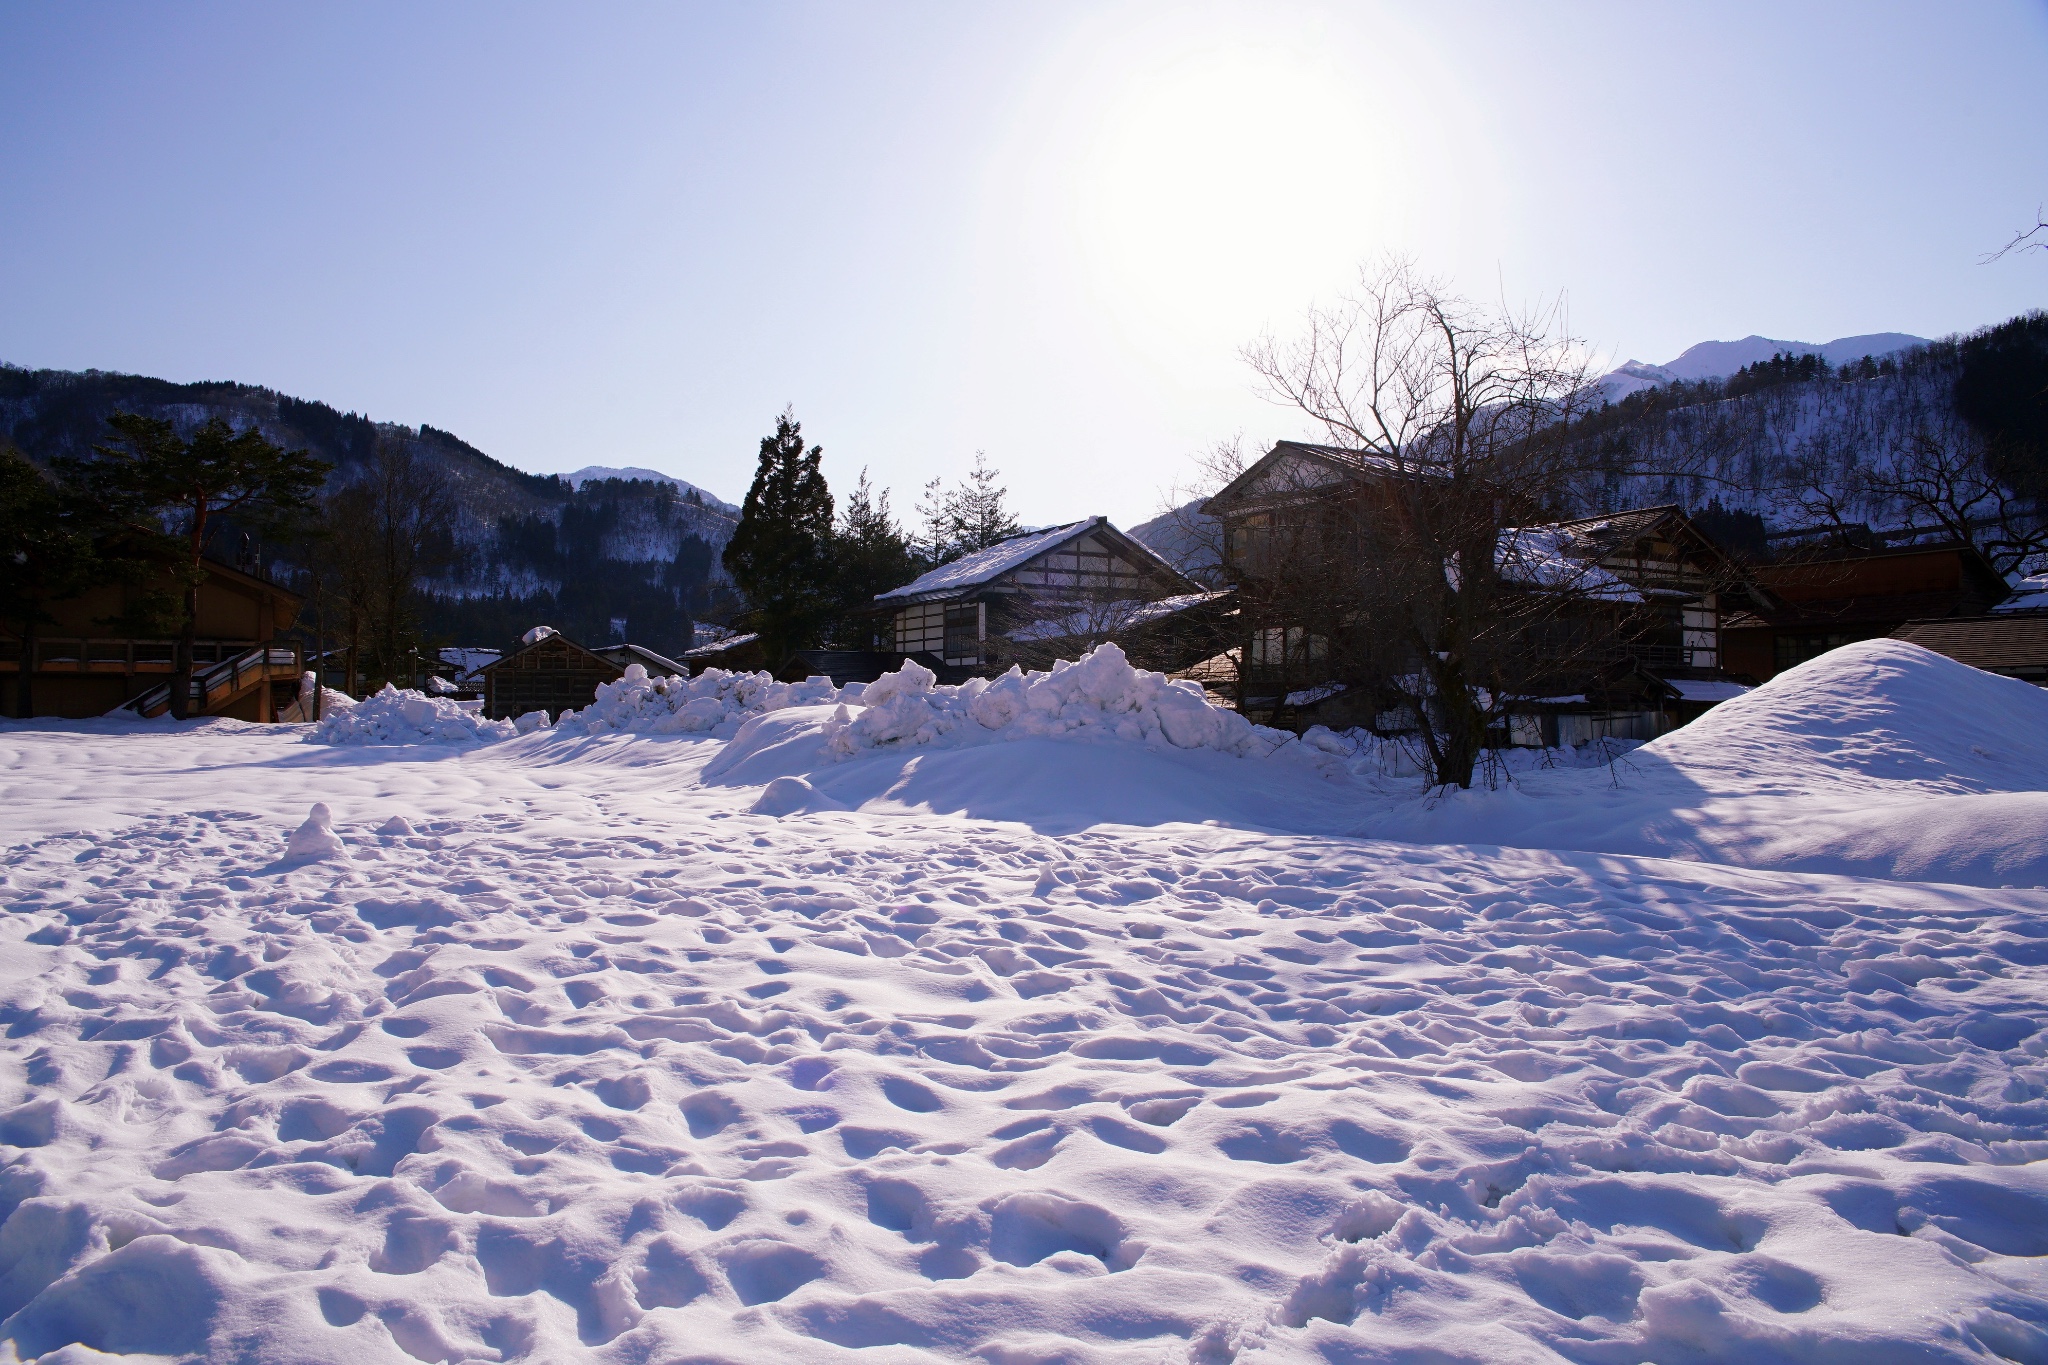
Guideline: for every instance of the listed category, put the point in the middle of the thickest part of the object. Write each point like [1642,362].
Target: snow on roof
[720,645]
[1112,616]
[1551,557]
[2029,594]
[468,658]
[971,571]
[645,655]
[1707,689]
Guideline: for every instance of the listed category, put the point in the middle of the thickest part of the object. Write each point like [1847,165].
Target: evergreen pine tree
[219,472]
[780,554]
[46,555]
[872,554]
[967,517]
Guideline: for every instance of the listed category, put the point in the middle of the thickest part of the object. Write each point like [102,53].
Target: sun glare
[1229,181]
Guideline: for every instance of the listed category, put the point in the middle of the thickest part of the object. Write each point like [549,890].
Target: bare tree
[1190,537]
[413,515]
[384,533]
[1453,417]
[2024,240]
[1945,480]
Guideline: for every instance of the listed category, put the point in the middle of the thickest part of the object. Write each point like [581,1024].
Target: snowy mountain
[1719,359]
[599,471]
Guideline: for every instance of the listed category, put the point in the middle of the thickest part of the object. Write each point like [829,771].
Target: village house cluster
[1661,623]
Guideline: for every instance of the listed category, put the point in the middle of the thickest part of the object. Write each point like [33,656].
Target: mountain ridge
[1719,359]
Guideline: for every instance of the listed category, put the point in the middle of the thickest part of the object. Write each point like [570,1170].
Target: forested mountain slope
[1801,442]
[601,558]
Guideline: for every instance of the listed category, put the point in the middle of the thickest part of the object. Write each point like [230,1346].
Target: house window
[1283,646]
[964,630]
[1793,650]
[1700,625]
[1248,539]
[921,629]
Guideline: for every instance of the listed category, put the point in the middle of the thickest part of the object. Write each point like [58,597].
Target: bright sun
[1232,179]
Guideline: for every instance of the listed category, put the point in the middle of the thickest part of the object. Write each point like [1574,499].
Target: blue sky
[630,235]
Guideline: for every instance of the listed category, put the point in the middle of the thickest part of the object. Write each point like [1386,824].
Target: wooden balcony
[108,654]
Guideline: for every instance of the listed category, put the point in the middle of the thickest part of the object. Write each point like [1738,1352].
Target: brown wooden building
[2011,643]
[1633,648]
[81,667]
[1822,598]
[551,673]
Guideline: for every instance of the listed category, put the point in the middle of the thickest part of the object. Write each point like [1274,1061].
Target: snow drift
[1878,759]
[705,704]
[404,716]
[1089,742]
[1099,697]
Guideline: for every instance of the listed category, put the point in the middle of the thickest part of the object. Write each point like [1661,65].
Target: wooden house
[548,672]
[2010,639]
[1035,596]
[1823,597]
[81,666]
[734,653]
[1625,608]
[657,665]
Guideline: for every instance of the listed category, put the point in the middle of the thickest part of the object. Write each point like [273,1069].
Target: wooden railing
[89,654]
[221,682]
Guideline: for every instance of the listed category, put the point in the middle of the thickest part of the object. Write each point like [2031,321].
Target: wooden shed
[552,674]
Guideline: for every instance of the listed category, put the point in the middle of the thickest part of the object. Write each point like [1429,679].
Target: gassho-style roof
[984,566]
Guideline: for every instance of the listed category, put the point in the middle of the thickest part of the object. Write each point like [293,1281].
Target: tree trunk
[25,698]
[181,659]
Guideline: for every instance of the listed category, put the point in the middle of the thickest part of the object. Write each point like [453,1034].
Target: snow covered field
[1070,1047]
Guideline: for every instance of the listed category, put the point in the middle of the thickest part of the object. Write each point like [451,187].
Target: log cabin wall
[552,675]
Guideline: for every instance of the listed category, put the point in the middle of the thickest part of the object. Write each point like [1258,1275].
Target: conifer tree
[153,474]
[46,554]
[871,551]
[780,554]
[967,517]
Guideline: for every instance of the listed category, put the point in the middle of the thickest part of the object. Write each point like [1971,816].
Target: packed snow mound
[705,704]
[1100,696]
[395,716]
[1879,759]
[1090,742]
[315,839]
[1872,715]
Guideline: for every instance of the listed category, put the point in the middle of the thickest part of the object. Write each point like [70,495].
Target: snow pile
[1099,697]
[639,704]
[1876,759]
[393,716]
[313,698]
[316,838]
